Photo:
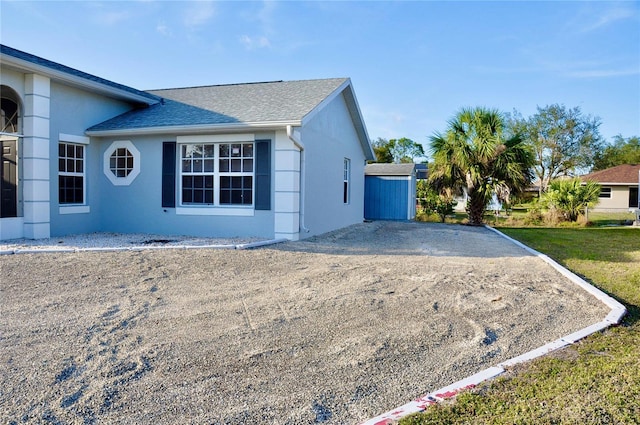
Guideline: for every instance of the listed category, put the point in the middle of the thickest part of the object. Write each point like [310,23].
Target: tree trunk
[476,208]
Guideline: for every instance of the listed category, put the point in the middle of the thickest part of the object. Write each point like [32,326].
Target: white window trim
[106,168]
[216,208]
[346,178]
[75,209]
[70,138]
[82,208]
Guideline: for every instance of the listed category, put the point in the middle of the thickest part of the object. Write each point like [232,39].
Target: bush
[567,199]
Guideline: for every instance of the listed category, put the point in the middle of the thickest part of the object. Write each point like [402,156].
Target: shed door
[9,186]
[386,199]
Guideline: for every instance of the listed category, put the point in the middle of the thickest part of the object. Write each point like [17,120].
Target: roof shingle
[626,174]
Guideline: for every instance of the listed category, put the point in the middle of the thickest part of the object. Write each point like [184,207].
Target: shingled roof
[626,174]
[229,107]
[275,103]
[258,102]
[384,169]
[21,60]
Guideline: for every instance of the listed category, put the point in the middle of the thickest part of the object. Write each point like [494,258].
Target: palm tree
[572,196]
[476,154]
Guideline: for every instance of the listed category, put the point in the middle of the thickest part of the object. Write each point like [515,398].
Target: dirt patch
[334,329]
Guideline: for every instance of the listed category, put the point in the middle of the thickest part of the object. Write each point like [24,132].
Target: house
[390,191]
[281,159]
[619,190]
[422,172]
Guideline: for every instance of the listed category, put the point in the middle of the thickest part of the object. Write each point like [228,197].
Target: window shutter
[263,175]
[169,174]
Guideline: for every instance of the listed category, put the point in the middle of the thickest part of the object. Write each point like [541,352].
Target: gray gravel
[335,329]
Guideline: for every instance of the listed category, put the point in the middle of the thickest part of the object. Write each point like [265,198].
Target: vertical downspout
[300,146]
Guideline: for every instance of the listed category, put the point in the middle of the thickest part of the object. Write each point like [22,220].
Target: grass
[596,381]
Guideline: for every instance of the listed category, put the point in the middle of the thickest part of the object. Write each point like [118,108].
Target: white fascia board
[74,80]
[617,184]
[195,129]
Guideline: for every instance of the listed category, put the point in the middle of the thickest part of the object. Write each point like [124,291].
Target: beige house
[619,191]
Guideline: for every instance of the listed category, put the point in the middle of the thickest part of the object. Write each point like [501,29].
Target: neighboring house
[619,187]
[390,191]
[422,172]
[83,154]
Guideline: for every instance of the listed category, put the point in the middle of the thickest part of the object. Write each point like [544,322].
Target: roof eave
[194,129]
[73,80]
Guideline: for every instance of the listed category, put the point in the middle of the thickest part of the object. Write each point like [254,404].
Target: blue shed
[389,192]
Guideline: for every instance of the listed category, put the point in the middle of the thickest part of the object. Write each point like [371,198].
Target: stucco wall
[138,207]
[72,111]
[329,137]
[619,200]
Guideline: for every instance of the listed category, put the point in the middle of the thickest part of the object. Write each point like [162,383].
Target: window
[70,173]
[121,162]
[346,179]
[605,192]
[217,173]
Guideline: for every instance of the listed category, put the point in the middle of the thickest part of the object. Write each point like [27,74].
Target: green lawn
[596,381]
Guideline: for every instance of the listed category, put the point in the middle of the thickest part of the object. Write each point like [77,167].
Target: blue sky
[413,64]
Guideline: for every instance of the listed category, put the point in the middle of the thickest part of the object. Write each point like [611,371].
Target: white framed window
[605,192]
[121,162]
[346,180]
[217,174]
[71,173]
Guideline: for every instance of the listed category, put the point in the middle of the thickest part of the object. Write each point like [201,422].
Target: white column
[287,189]
[35,157]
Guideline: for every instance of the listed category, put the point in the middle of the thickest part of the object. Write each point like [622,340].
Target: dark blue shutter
[263,175]
[169,174]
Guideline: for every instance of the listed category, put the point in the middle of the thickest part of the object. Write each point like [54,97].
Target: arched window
[9,111]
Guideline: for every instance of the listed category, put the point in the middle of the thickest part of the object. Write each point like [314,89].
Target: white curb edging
[615,315]
[249,245]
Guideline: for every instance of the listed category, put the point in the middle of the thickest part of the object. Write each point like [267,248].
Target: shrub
[569,198]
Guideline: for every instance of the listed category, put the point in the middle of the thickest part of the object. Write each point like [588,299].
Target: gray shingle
[257,102]
[383,169]
[163,114]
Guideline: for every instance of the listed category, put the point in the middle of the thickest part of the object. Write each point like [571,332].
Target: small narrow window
[346,180]
[605,192]
[70,173]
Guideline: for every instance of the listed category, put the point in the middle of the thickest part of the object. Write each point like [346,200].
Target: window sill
[229,211]
[75,209]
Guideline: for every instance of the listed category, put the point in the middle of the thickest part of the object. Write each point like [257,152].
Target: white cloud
[198,14]
[608,18]
[252,43]
[604,73]
[163,29]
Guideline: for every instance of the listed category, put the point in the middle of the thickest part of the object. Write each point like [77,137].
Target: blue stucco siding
[388,198]
[329,138]
[72,111]
[137,207]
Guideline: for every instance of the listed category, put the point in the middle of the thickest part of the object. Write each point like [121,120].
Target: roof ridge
[245,84]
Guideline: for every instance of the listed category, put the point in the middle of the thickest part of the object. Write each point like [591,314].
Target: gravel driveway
[335,329]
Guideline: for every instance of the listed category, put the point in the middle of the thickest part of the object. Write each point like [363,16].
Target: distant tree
[622,151]
[397,151]
[570,197]
[477,154]
[564,141]
[382,150]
